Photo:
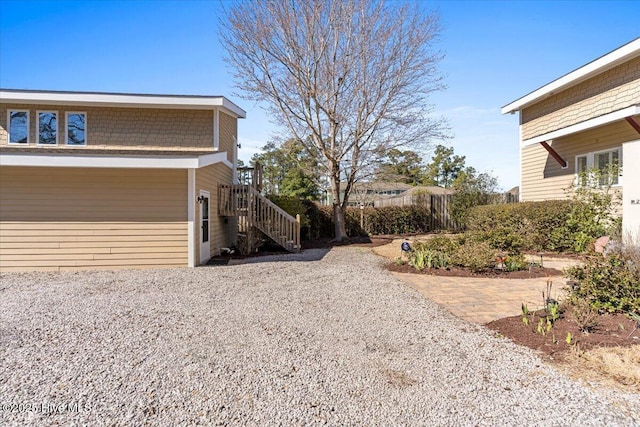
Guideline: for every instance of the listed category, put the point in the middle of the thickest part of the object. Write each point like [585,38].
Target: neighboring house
[365,193]
[108,180]
[413,196]
[588,118]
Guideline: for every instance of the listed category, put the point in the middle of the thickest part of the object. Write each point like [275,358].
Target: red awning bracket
[553,153]
[633,122]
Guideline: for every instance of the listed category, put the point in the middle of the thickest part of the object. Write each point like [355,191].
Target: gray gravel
[303,339]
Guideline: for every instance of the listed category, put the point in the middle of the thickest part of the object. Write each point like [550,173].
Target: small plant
[525,314]
[399,261]
[569,338]
[583,314]
[635,317]
[515,262]
[422,258]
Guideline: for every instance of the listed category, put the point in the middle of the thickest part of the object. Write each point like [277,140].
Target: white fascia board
[121,100]
[95,161]
[210,159]
[606,62]
[587,124]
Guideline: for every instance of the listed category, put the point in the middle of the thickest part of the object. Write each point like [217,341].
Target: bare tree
[353,75]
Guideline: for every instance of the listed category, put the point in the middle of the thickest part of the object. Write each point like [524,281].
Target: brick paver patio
[481,300]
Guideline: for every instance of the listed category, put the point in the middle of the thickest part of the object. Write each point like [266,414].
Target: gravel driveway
[312,338]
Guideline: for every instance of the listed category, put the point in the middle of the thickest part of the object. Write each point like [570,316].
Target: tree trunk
[338,220]
[338,212]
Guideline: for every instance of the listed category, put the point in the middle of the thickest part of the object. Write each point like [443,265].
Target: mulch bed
[532,273]
[611,330]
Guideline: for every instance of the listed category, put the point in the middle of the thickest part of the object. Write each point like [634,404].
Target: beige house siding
[221,234]
[228,134]
[607,92]
[543,178]
[128,128]
[78,218]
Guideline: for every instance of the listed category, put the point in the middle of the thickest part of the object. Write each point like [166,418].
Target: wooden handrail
[261,213]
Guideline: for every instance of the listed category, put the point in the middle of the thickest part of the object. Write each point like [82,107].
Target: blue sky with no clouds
[495,52]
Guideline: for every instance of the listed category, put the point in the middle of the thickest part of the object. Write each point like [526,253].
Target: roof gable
[606,62]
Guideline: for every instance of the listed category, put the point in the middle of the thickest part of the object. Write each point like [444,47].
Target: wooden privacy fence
[438,205]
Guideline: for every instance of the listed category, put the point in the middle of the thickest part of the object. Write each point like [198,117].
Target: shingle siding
[610,91]
[129,128]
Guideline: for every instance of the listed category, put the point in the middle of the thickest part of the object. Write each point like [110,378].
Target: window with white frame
[606,163]
[47,127]
[76,128]
[18,123]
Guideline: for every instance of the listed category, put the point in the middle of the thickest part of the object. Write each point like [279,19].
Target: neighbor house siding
[543,178]
[607,92]
[128,128]
[221,234]
[78,218]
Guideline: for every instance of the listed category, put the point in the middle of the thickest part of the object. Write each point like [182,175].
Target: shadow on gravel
[305,255]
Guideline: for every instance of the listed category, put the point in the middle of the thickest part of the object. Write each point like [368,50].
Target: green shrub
[387,220]
[611,282]
[477,256]
[548,226]
[445,244]
[395,219]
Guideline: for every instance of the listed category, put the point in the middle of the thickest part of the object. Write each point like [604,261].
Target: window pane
[581,164]
[616,167]
[76,129]
[47,128]
[19,127]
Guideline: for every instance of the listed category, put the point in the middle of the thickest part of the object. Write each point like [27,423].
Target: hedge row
[386,220]
[539,226]
[317,221]
[550,226]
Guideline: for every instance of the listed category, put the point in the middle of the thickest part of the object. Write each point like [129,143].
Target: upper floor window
[605,166]
[47,127]
[18,122]
[76,128]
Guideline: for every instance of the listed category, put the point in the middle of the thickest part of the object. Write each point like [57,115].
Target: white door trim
[191,220]
[205,226]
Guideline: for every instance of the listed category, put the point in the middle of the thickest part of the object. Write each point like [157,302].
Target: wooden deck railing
[245,201]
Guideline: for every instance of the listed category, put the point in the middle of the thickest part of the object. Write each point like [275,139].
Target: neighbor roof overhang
[598,66]
[128,100]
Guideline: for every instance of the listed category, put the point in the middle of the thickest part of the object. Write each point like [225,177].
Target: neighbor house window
[47,127]
[76,128]
[606,162]
[18,121]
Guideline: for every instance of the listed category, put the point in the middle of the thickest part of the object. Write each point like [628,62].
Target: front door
[205,248]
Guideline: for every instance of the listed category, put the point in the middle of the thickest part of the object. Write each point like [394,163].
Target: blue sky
[495,52]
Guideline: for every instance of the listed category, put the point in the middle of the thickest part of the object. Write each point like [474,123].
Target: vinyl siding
[76,218]
[607,92]
[221,235]
[543,178]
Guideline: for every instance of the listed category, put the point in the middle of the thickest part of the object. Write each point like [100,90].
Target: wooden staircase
[255,212]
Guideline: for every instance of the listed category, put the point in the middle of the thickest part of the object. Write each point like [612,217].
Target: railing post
[297,242]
